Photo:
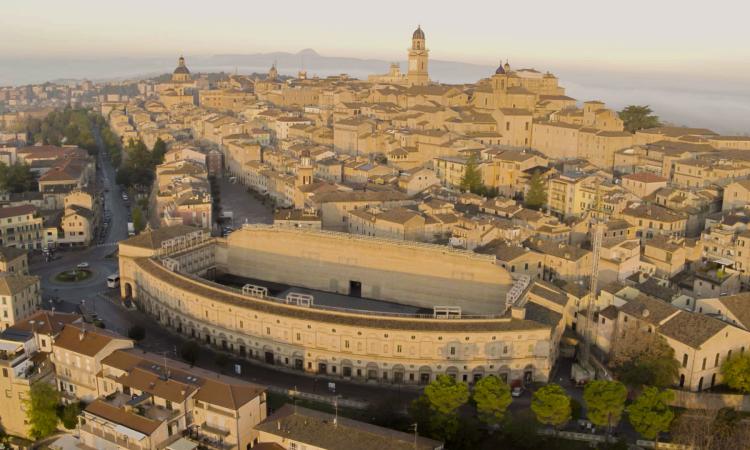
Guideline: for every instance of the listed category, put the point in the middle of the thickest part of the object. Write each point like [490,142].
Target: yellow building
[14,260]
[20,295]
[349,343]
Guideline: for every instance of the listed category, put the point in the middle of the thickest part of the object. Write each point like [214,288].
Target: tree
[551,405]
[736,372]
[636,118]
[722,429]
[605,402]
[68,414]
[521,432]
[158,152]
[16,178]
[436,409]
[41,410]
[138,222]
[446,395]
[650,413]
[472,179]
[492,398]
[642,358]
[137,333]
[536,197]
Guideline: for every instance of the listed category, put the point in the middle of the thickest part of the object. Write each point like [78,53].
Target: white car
[516,391]
[83,265]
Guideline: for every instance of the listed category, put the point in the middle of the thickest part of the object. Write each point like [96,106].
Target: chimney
[518,312]
[278,425]
[81,334]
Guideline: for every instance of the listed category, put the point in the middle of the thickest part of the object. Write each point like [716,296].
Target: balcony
[110,437]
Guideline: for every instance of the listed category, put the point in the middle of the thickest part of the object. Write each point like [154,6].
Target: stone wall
[410,273]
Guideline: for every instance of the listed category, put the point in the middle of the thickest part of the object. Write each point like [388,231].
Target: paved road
[98,256]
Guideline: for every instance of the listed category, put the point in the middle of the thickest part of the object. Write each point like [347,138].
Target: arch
[127,290]
[452,372]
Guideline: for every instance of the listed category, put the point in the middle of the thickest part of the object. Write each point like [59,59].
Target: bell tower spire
[418,59]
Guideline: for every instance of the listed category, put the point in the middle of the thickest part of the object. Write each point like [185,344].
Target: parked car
[83,265]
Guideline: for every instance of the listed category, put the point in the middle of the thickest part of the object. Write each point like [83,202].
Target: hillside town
[608,234]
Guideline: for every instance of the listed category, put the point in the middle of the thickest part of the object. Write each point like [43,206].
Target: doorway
[355,288]
[269,358]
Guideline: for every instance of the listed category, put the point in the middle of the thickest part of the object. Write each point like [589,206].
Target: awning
[129,432]
[182,444]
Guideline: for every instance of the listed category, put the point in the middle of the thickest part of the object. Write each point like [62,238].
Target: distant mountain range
[686,98]
[314,63]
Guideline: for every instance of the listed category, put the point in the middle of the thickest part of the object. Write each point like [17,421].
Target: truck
[131,229]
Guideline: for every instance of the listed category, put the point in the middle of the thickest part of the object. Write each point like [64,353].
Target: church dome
[181,67]
[418,33]
[500,70]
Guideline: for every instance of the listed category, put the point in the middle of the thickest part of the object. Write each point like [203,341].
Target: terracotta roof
[318,429]
[649,309]
[145,372]
[85,339]
[739,306]
[153,239]
[10,253]
[12,211]
[121,417]
[691,328]
[645,177]
[46,322]
[11,284]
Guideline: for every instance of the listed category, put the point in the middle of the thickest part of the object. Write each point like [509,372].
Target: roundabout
[73,276]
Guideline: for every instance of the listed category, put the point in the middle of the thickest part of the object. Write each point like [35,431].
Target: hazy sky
[637,34]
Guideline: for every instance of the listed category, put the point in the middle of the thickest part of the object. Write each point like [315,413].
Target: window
[685,360]
[453,351]
[716,362]
[703,366]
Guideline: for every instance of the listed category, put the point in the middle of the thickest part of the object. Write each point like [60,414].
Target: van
[113,281]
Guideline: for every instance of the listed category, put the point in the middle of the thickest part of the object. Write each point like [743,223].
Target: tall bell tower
[418,56]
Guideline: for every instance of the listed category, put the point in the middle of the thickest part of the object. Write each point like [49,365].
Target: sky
[689,58]
[633,34]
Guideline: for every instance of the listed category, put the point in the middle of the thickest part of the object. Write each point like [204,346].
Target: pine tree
[536,197]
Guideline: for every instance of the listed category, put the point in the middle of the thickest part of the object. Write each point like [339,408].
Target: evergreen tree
[158,152]
[492,398]
[472,179]
[605,402]
[650,413]
[551,405]
[536,197]
[636,118]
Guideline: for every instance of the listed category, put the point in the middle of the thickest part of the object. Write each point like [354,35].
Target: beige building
[148,402]
[736,195]
[643,184]
[21,227]
[20,296]
[294,333]
[14,260]
[24,348]
[78,354]
[292,427]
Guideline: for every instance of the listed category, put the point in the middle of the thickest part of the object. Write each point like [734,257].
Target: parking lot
[245,207]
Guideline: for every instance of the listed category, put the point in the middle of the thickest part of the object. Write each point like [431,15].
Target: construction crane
[597,230]
[596,226]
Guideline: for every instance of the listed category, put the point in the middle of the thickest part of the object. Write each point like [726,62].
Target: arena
[339,305]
